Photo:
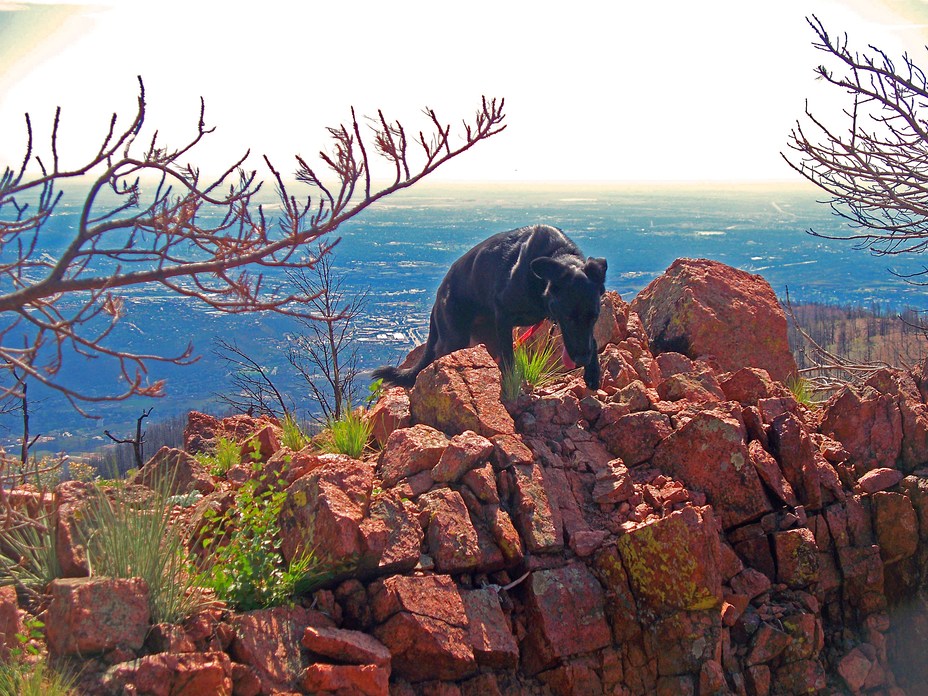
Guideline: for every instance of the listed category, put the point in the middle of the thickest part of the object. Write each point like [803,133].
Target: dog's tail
[396,377]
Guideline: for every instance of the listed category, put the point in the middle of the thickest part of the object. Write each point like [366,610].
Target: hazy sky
[608,91]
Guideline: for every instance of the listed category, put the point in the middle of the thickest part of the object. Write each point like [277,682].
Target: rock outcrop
[690,528]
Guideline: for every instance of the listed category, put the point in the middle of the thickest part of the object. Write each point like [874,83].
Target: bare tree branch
[150,221]
[875,167]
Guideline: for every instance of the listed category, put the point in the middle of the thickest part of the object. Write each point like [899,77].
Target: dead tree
[149,221]
[874,164]
[253,388]
[325,354]
[137,442]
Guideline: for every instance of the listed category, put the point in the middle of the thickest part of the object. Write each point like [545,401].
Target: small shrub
[292,436]
[246,568]
[227,453]
[127,538]
[27,674]
[347,435]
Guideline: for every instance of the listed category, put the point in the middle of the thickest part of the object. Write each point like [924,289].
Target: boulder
[709,454]
[95,615]
[346,647]
[409,451]
[11,623]
[423,623]
[673,562]
[488,630]
[181,470]
[177,674]
[323,512]
[704,308]
[565,616]
[269,641]
[342,680]
[459,392]
[868,424]
[391,412]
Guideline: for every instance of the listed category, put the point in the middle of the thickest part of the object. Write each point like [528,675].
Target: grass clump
[347,435]
[535,366]
[225,455]
[292,435]
[29,554]
[130,535]
[802,391]
[246,568]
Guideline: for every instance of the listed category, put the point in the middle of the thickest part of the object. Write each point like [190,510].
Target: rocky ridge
[687,529]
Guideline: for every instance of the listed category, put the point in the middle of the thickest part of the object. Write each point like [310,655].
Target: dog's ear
[595,270]
[550,269]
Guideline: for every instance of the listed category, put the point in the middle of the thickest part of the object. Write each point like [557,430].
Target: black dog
[514,279]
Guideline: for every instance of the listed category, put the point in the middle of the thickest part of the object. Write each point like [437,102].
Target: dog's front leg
[504,344]
[591,374]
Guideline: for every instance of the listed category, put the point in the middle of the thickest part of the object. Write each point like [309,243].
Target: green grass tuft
[349,435]
[129,537]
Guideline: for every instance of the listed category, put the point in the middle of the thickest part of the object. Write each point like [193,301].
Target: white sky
[604,91]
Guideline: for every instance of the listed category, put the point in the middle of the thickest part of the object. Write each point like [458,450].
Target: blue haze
[401,248]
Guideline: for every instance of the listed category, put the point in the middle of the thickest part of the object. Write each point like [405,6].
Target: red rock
[802,677]
[807,637]
[391,412]
[767,644]
[749,385]
[700,308]
[182,470]
[878,480]
[71,497]
[687,639]
[510,451]
[797,557]
[673,562]
[613,483]
[451,537]
[895,524]
[712,679]
[769,471]
[345,680]
[200,432]
[268,640]
[464,451]
[535,517]
[392,535]
[347,647]
[869,426]
[11,622]
[181,674]
[488,630]
[261,445]
[409,451]
[565,616]
[168,638]
[634,437]
[914,412]
[709,454]
[696,388]
[482,482]
[93,615]
[504,534]
[423,624]
[758,680]
[461,392]
[586,541]
[750,583]
[854,668]
[323,512]
[794,450]
[676,685]
[671,363]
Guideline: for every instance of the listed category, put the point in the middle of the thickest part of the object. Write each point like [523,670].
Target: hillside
[689,528]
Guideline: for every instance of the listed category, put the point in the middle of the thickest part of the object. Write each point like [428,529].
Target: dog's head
[572,297]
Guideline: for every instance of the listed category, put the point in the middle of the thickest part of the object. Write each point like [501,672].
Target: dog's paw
[591,375]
